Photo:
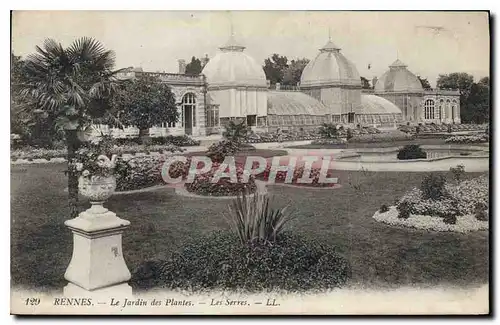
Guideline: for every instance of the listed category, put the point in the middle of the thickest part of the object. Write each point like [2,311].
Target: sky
[155,40]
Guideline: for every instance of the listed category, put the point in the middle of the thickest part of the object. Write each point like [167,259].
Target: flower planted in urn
[95,167]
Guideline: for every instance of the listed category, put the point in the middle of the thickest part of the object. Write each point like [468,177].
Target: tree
[457,80]
[478,103]
[145,102]
[365,83]
[35,127]
[292,74]
[425,83]
[20,116]
[194,67]
[72,85]
[275,67]
[474,97]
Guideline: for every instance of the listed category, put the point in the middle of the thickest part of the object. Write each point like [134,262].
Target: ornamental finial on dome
[329,46]
[232,45]
[398,64]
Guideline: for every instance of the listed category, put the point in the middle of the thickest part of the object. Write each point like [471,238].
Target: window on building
[405,105]
[429,109]
[441,111]
[212,115]
[189,105]
[251,120]
[350,117]
[454,112]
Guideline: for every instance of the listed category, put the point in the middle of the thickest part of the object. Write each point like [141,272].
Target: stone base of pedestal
[120,291]
[97,265]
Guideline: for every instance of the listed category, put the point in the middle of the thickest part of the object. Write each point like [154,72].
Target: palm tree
[235,131]
[72,85]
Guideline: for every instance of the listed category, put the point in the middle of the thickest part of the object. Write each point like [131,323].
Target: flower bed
[381,137]
[139,172]
[443,207]
[203,185]
[293,135]
[263,137]
[176,140]
[440,128]
[297,174]
[30,153]
[464,223]
[463,197]
[465,139]
[332,141]
[220,262]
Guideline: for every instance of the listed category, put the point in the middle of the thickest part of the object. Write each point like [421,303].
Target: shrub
[433,187]
[412,151]
[404,209]
[328,131]
[253,220]
[481,213]
[203,185]
[220,262]
[384,208]
[458,172]
[450,219]
[219,150]
[138,172]
[349,135]
[179,168]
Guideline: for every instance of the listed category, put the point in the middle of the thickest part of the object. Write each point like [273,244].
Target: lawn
[161,222]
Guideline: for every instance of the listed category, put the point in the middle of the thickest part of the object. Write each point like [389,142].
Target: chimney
[204,61]
[278,86]
[374,81]
[182,66]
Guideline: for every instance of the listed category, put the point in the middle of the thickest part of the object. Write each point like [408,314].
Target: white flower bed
[476,138]
[463,197]
[464,223]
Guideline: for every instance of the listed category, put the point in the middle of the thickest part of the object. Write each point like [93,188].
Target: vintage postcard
[250,163]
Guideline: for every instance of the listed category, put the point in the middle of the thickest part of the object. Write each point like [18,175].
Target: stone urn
[97,189]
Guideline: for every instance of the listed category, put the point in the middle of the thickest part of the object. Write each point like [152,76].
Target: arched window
[188,111]
[441,111]
[429,109]
[454,112]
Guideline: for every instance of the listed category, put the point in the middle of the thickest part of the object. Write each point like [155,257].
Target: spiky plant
[253,220]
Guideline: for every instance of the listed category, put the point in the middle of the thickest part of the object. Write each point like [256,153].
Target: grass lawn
[422,141]
[161,222]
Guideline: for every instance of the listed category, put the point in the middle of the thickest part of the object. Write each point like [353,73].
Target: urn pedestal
[97,267]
